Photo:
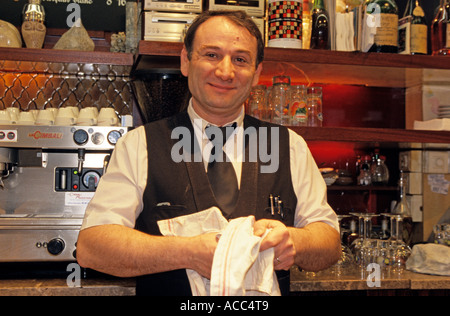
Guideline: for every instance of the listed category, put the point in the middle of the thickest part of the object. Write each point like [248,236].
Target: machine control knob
[114,136]
[80,137]
[56,246]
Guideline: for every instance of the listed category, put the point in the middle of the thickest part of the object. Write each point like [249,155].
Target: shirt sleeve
[309,186]
[119,195]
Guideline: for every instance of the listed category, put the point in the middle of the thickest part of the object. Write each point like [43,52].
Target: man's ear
[257,74]
[184,62]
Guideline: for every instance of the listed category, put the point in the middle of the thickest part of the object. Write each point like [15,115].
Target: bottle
[33,27]
[414,19]
[306,24]
[402,208]
[320,27]
[358,166]
[385,19]
[364,177]
[439,38]
[378,171]
[284,23]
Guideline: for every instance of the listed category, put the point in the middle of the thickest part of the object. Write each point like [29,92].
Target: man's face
[222,69]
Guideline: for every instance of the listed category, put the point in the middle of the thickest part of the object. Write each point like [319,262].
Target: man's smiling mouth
[221,87]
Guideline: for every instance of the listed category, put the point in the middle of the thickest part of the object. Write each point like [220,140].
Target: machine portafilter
[8,158]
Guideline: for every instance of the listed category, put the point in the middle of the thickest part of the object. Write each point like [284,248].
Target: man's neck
[217,119]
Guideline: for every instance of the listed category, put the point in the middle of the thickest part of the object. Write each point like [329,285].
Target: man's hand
[280,239]
[202,256]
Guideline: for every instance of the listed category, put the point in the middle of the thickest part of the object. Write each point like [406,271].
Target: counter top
[300,282]
[59,287]
[305,282]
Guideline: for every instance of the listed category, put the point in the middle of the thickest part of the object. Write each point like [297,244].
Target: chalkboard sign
[97,15]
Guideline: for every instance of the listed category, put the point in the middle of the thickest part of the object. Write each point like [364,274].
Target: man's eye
[242,61]
[211,55]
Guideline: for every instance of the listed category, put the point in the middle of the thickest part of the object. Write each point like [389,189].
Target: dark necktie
[221,174]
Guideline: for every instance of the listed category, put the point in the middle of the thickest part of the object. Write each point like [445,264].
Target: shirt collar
[201,123]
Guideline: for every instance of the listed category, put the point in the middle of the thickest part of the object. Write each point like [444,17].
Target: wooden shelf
[66,56]
[327,57]
[314,66]
[336,187]
[375,69]
[371,135]
[153,48]
[52,61]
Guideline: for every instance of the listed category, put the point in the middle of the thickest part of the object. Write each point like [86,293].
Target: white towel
[239,268]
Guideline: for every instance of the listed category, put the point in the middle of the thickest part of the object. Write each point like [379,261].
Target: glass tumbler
[257,102]
[314,106]
[280,99]
[298,108]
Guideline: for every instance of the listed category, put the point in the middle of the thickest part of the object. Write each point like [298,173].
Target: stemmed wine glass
[364,247]
[346,262]
[399,250]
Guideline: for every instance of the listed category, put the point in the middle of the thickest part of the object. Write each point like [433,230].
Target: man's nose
[225,69]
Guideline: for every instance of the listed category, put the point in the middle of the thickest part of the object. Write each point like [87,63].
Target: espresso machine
[48,175]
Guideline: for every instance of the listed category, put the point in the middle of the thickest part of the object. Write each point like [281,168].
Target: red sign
[40,135]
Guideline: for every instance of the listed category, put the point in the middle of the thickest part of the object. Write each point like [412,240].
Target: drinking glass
[314,106]
[362,247]
[357,244]
[279,100]
[399,251]
[346,262]
[383,256]
[298,109]
[257,102]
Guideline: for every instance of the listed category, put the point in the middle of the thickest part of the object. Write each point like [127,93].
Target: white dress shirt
[119,195]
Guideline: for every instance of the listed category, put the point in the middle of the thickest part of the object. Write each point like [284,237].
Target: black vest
[186,187]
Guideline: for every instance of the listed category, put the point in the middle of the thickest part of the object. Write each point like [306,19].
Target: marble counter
[304,282]
[300,282]
[59,287]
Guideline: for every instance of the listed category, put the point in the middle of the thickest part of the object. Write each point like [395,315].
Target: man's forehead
[223,26]
[226,25]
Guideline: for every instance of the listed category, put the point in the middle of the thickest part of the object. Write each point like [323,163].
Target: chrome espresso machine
[48,175]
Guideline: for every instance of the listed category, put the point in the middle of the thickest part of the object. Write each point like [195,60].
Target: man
[222,59]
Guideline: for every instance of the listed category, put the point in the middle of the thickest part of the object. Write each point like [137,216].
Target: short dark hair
[238,17]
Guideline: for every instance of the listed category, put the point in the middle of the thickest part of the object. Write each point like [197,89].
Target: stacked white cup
[64,116]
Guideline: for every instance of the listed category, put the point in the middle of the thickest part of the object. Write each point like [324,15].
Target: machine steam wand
[81,155]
